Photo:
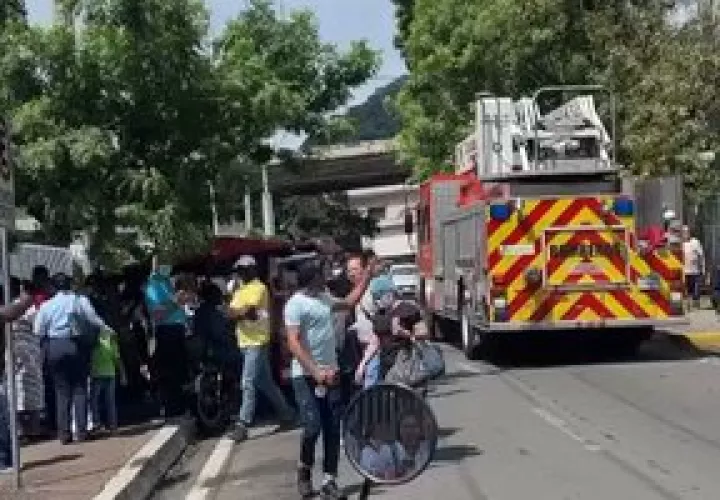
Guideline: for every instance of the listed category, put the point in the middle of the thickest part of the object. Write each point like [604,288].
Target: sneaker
[304,482]
[330,491]
[241,432]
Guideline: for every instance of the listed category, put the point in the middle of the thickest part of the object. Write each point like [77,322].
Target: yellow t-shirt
[252,333]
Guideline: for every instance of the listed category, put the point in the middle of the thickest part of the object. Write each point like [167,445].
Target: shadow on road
[547,349]
[450,392]
[455,453]
[451,377]
[271,467]
[447,431]
[33,464]
[169,481]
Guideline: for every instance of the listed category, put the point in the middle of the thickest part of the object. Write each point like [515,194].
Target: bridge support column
[247,201]
[267,205]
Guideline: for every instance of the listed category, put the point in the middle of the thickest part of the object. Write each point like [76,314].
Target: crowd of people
[77,342]
[64,353]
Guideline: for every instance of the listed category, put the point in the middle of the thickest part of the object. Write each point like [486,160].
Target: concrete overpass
[339,168]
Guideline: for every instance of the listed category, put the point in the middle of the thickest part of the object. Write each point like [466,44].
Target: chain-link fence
[707,230]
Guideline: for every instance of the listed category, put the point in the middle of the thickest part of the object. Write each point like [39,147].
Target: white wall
[391,241]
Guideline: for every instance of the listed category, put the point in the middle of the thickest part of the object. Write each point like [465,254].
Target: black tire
[212,406]
[628,343]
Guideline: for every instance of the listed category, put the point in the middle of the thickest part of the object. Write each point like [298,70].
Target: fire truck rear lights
[624,207]
[676,297]
[649,282]
[499,302]
[499,280]
[500,211]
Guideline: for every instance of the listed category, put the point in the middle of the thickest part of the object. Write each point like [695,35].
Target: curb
[704,341]
[139,476]
[699,343]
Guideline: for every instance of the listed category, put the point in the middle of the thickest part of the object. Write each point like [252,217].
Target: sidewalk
[265,468]
[703,330]
[76,471]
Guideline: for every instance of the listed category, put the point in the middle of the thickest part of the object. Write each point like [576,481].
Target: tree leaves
[123,119]
[664,73]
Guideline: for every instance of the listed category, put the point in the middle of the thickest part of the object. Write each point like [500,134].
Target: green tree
[455,48]
[132,114]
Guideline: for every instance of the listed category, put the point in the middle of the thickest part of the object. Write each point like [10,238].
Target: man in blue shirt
[311,339]
[70,325]
[169,324]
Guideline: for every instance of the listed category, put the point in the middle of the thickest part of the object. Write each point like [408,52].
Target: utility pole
[213,208]
[63,14]
[247,202]
[709,8]
[267,204]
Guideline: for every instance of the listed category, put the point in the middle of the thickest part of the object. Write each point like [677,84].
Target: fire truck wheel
[628,343]
[469,338]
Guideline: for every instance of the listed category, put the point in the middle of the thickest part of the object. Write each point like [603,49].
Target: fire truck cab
[540,229]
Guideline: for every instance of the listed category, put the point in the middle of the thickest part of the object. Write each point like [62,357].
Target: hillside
[371,119]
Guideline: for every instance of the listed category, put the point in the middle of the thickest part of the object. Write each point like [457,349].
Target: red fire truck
[539,229]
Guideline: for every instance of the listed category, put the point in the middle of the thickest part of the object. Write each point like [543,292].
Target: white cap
[245,261]
[669,214]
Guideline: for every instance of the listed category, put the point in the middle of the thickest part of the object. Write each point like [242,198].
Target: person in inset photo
[377,457]
[412,448]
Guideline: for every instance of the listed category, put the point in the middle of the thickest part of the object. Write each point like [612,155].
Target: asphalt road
[553,425]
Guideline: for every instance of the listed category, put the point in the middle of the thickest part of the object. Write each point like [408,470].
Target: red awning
[228,248]
[225,250]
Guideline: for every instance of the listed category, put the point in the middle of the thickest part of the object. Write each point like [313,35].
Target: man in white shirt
[694,265]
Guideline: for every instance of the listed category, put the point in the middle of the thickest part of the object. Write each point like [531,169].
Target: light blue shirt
[159,298]
[53,318]
[314,318]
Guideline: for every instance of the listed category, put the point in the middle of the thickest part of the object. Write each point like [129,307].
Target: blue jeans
[372,372]
[319,415]
[257,376]
[693,282]
[5,440]
[103,388]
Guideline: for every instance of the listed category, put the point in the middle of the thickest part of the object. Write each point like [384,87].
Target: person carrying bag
[408,357]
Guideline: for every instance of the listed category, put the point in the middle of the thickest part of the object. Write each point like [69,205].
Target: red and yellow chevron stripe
[589,262]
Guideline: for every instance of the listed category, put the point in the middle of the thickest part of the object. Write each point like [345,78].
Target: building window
[377,213]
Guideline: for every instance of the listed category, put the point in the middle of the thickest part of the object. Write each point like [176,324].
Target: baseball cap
[382,286]
[245,261]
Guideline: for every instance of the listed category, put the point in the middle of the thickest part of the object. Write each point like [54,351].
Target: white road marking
[469,368]
[486,370]
[548,417]
[712,360]
[213,469]
[564,427]
[557,422]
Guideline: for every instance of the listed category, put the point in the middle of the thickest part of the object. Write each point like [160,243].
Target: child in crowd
[106,365]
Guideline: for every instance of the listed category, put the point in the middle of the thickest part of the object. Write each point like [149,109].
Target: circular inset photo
[390,434]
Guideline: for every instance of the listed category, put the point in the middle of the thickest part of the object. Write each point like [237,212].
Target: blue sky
[341,21]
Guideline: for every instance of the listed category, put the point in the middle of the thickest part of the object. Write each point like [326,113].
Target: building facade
[387,205]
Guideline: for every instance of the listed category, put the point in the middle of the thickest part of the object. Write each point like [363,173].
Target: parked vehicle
[538,229]
[406,279]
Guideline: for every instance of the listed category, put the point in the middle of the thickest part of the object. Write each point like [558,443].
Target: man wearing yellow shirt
[250,308]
